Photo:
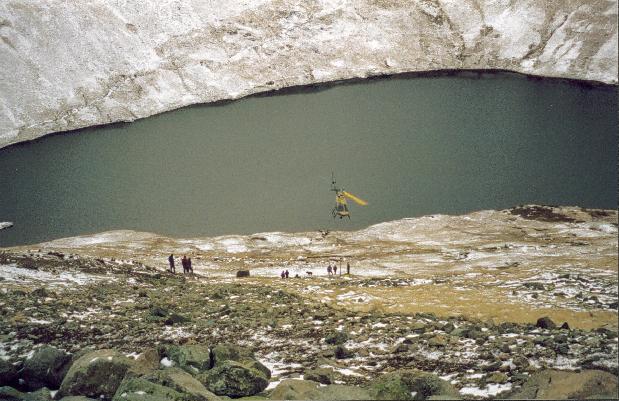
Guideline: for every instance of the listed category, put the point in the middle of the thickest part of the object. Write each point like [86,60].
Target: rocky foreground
[76,323]
[67,65]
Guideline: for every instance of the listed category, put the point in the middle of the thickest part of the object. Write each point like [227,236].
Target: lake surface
[409,146]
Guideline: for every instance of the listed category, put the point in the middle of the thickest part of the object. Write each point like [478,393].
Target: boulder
[336,338]
[341,392]
[448,327]
[608,330]
[438,341]
[234,379]
[139,389]
[555,384]
[11,394]
[389,386]
[401,348]
[42,292]
[320,375]
[497,377]
[191,358]
[521,362]
[342,352]
[96,374]
[181,381]
[8,373]
[255,364]
[230,352]
[426,385]
[459,332]
[492,366]
[176,318]
[148,360]
[545,323]
[475,334]
[292,389]
[42,394]
[242,273]
[418,327]
[45,368]
[159,311]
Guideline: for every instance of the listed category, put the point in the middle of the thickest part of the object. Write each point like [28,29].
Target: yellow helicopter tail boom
[354,198]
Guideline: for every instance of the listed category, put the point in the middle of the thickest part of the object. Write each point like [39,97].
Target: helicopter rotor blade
[354,198]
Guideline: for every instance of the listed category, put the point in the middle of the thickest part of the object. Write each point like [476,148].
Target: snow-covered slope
[71,64]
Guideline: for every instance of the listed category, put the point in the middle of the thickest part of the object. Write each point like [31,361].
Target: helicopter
[341,206]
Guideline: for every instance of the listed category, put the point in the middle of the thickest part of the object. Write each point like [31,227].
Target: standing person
[329,269]
[335,269]
[184,263]
[171,260]
[287,274]
[283,274]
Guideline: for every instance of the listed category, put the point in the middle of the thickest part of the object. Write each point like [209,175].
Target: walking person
[189,267]
[283,275]
[171,260]
[286,273]
[329,269]
[335,269]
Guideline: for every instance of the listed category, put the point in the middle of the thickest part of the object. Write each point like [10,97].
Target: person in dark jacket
[184,262]
[171,260]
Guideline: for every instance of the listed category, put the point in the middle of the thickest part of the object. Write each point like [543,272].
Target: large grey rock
[234,379]
[336,338]
[191,358]
[389,386]
[426,385]
[558,385]
[73,64]
[320,375]
[148,360]
[97,373]
[8,393]
[45,368]
[546,323]
[291,389]
[138,389]
[230,352]
[341,392]
[11,394]
[183,382]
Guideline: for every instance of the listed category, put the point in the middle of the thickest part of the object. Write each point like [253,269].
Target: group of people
[332,270]
[188,269]
[185,261]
